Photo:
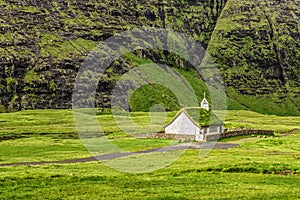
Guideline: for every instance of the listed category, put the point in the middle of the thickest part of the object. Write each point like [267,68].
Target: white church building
[197,122]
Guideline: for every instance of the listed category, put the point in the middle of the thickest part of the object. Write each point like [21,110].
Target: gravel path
[195,145]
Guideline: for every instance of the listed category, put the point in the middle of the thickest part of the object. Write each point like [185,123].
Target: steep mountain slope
[255,44]
[42,43]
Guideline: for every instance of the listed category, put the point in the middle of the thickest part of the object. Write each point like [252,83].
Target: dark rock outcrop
[255,44]
[43,43]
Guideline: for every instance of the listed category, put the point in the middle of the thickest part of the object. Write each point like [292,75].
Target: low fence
[239,133]
[216,136]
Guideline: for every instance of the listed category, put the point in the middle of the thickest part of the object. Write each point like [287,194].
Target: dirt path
[195,145]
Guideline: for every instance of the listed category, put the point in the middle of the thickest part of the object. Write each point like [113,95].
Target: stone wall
[216,136]
[238,133]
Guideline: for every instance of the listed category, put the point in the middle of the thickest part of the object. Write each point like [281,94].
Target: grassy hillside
[42,44]
[255,44]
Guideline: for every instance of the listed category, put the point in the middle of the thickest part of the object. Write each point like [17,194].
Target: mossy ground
[259,168]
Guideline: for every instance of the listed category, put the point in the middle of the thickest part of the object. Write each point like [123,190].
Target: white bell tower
[204,103]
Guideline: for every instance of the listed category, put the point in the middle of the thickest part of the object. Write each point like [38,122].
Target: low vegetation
[259,168]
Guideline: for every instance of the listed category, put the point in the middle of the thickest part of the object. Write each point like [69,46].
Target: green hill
[255,44]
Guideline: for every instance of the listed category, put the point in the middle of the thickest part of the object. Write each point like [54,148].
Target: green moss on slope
[53,38]
[256,44]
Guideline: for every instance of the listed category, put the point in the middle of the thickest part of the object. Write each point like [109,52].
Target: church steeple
[204,103]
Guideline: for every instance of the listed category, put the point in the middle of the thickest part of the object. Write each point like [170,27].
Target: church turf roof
[200,117]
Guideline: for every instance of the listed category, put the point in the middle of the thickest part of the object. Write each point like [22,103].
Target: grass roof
[201,117]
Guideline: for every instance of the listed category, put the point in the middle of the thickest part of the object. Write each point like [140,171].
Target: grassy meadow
[259,168]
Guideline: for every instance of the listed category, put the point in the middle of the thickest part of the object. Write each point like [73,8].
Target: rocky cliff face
[42,45]
[256,44]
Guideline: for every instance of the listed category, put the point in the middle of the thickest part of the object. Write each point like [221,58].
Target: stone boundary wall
[238,133]
[187,138]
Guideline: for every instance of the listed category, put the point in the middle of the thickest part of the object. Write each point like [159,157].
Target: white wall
[182,125]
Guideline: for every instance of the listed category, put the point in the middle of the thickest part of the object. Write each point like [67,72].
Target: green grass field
[259,168]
